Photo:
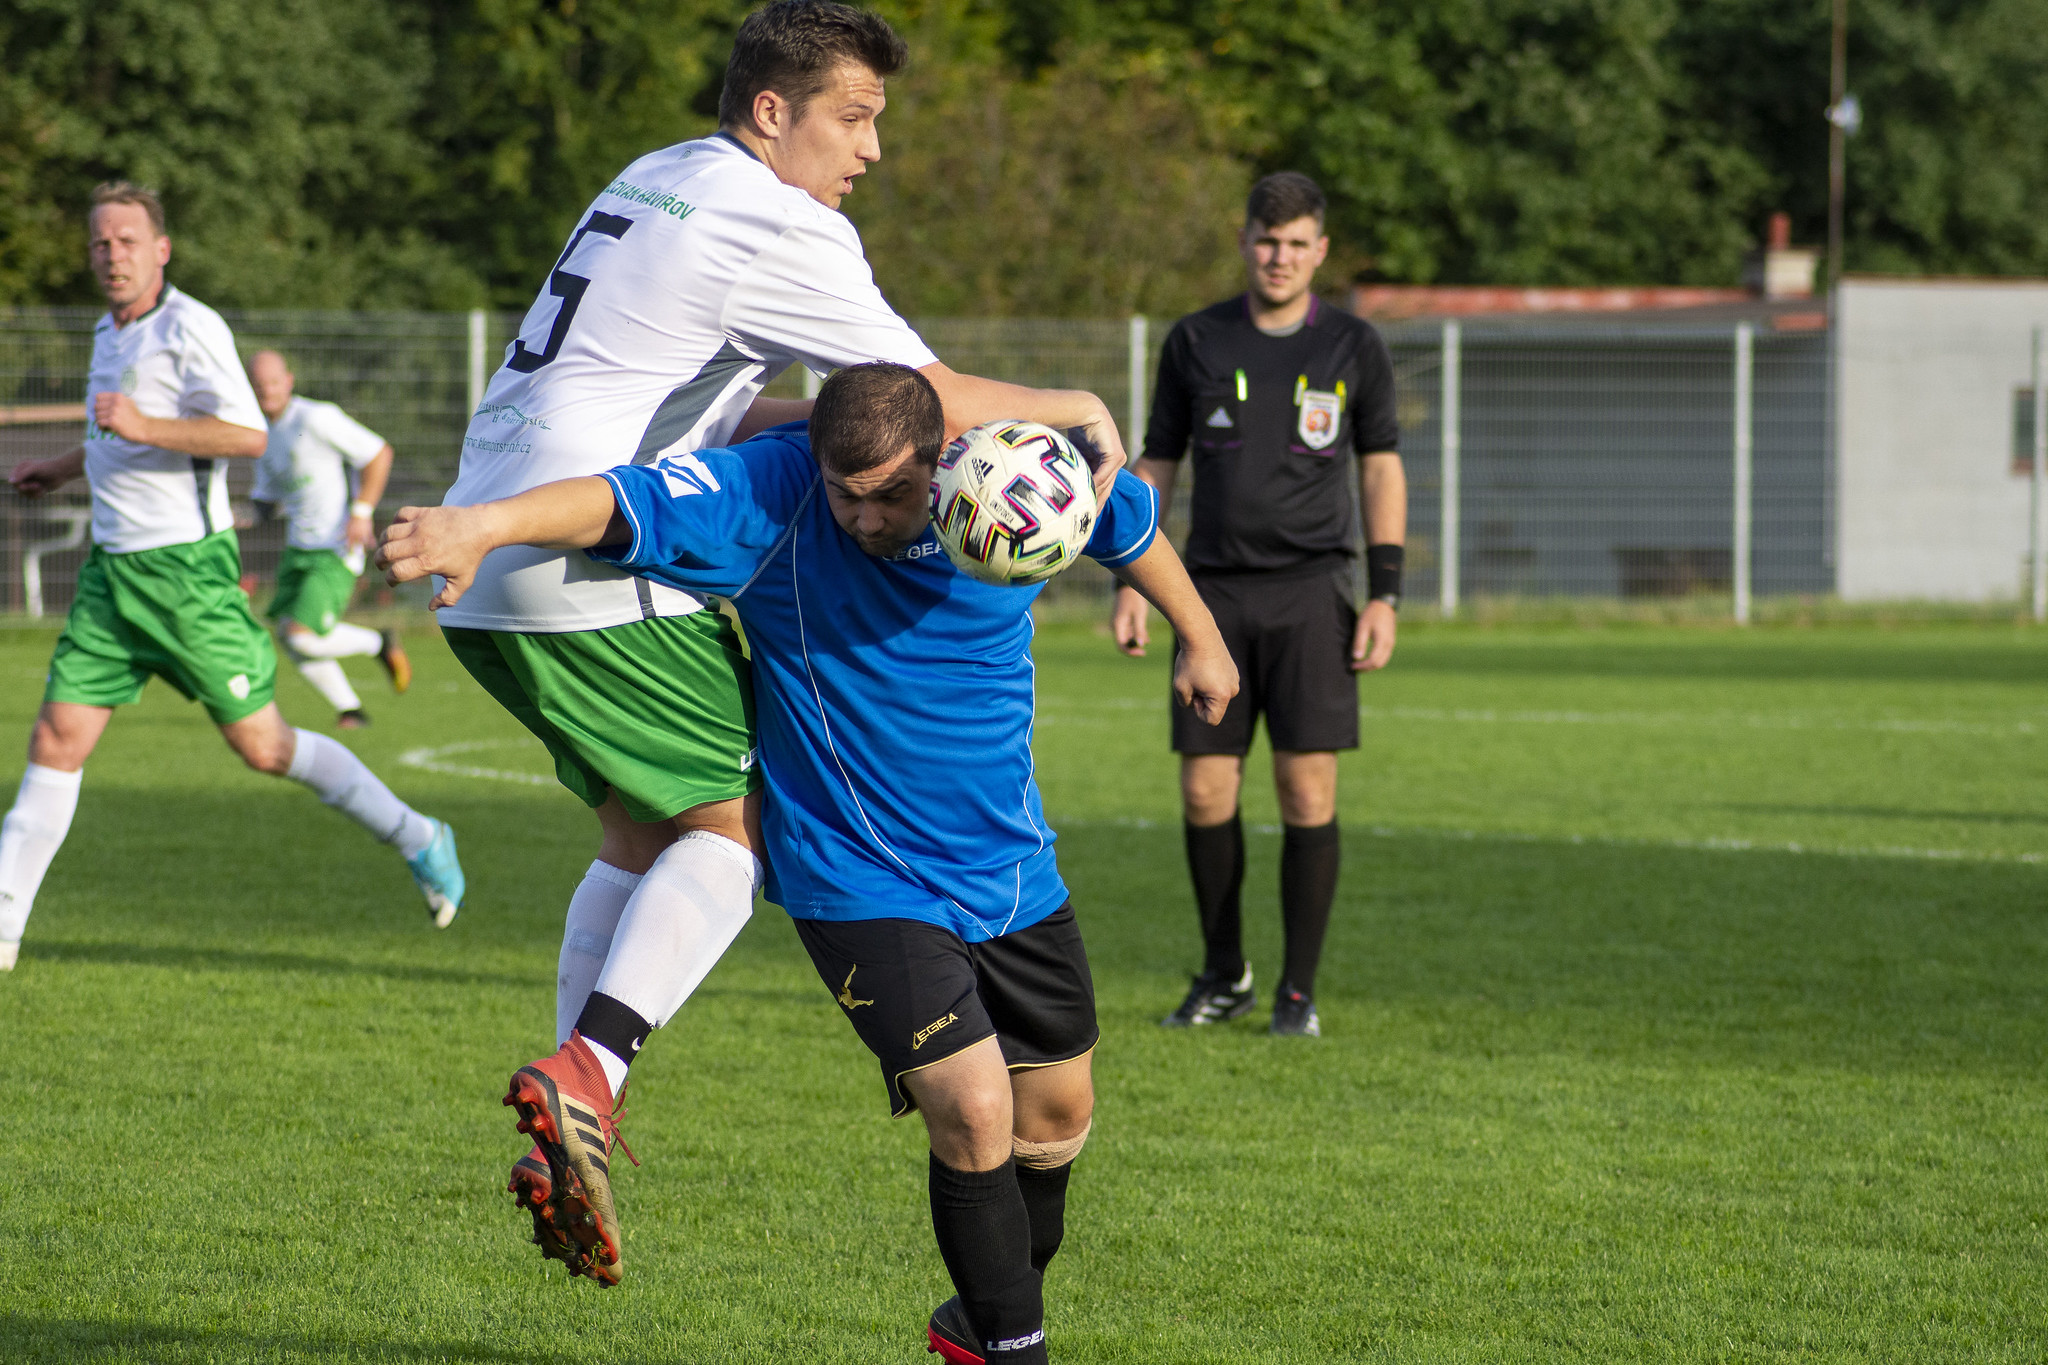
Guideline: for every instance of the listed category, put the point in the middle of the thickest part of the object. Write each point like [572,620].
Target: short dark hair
[128,192]
[1284,197]
[866,414]
[792,46]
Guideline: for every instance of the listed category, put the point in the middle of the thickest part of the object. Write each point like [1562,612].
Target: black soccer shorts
[917,994]
[1290,635]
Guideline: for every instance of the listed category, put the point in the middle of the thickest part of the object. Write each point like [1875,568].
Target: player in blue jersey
[902,821]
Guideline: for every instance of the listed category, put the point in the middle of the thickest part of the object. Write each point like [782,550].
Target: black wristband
[1383,571]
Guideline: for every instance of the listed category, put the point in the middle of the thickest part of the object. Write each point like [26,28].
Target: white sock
[613,1064]
[688,909]
[343,642]
[586,938]
[29,837]
[330,682]
[341,780]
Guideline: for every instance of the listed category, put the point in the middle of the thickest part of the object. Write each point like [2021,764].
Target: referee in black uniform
[1273,388]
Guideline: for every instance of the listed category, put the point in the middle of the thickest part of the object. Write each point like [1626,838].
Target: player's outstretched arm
[1127,613]
[1204,675]
[970,400]
[572,514]
[33,478]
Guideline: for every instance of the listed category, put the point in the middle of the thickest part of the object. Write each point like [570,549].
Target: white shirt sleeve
[214,384]
[357,443]
[810,294]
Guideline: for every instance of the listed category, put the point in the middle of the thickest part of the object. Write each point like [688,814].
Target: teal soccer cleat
[438,874]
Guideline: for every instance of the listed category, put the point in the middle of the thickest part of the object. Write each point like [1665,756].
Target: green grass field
[1685,1001]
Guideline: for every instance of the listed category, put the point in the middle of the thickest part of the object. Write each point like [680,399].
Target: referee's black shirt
[1271,418]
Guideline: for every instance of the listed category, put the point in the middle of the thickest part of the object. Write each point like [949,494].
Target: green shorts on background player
[315,453]
[160,594]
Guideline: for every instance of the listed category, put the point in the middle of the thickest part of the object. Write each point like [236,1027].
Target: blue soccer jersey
[894,696]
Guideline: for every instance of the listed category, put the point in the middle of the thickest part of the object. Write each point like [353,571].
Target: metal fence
[1589,460]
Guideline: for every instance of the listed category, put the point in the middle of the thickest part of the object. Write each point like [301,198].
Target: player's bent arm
[33,478]
[207,437]
[770,412]
[1204,676]
[571,514]
[1127,610]
[969,401]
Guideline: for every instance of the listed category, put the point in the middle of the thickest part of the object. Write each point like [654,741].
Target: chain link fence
[1591,460]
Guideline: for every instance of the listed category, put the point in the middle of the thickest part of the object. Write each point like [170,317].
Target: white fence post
[2040,475]
[1134,426]
[1745,423]
[479,327]
[811,382]
[1451,443]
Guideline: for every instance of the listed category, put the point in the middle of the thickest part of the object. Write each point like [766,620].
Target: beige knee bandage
[1049,1156]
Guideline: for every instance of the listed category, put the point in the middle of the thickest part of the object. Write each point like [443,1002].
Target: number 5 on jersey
[569,289]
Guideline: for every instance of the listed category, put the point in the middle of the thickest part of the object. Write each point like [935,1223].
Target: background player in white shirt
[324,472]
[160,594]
[699,274]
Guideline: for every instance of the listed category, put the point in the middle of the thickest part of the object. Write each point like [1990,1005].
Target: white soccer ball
[1012,502]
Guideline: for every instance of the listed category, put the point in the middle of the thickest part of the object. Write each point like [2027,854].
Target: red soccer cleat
[565,1103]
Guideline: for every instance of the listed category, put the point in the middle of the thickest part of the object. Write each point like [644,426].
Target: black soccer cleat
[352,720]
[951,1337]
[1295,1014]
[1214,999]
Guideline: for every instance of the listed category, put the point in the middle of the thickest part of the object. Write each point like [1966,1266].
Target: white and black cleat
[1214,999]
[1294,1014]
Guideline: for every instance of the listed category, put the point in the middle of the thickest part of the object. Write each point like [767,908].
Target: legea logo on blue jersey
[687,476]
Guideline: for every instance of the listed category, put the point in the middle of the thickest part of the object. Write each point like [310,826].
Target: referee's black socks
[1308,885]
[1216,863]
[985,1238]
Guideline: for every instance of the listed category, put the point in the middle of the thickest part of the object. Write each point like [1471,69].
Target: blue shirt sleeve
[1127,524]
[706,520]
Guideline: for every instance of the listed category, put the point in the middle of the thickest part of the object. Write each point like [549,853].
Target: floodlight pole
[479,326]
[1134,426]
[1745,423]
[1450,445]
[1838,87]
[2039,519]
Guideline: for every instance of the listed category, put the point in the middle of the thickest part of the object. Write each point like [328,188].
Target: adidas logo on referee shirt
[1220,418]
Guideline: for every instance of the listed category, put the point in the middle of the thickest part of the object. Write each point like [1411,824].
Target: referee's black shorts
[917,994]
[1290,634]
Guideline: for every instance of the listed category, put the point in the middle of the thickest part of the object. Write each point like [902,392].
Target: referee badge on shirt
[1321,414]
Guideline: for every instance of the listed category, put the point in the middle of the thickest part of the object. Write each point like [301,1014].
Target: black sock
[1216,862]
[985,1239]
[1308,883]
[1045,1200]
[613,1026]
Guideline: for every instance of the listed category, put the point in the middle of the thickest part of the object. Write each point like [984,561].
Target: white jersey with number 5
[694,279]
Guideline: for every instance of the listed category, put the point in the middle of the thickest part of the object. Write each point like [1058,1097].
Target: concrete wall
[1926,505]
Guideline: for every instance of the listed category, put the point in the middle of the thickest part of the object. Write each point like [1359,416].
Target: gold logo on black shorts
[846,991]
[929,1029]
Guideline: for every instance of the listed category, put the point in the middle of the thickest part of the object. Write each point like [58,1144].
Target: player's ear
[163,250]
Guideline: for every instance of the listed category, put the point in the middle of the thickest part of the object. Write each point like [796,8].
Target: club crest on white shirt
[1321,414]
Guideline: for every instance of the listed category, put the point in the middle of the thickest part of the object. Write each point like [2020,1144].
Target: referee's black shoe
[1294,1013]
[1214,999]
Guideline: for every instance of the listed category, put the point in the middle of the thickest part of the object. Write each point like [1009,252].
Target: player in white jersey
[699,274]
[160,594]
[324,472]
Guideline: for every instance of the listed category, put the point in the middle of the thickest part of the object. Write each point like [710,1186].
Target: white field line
[1942,855]
[1718,720]
[433,760]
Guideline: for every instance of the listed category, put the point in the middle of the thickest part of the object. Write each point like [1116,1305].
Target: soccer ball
[1013,502]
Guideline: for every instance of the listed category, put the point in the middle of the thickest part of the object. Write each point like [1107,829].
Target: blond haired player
[160,594]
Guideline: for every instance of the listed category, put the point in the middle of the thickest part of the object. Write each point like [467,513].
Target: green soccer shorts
[659,711]
[313,588]
[177,612]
